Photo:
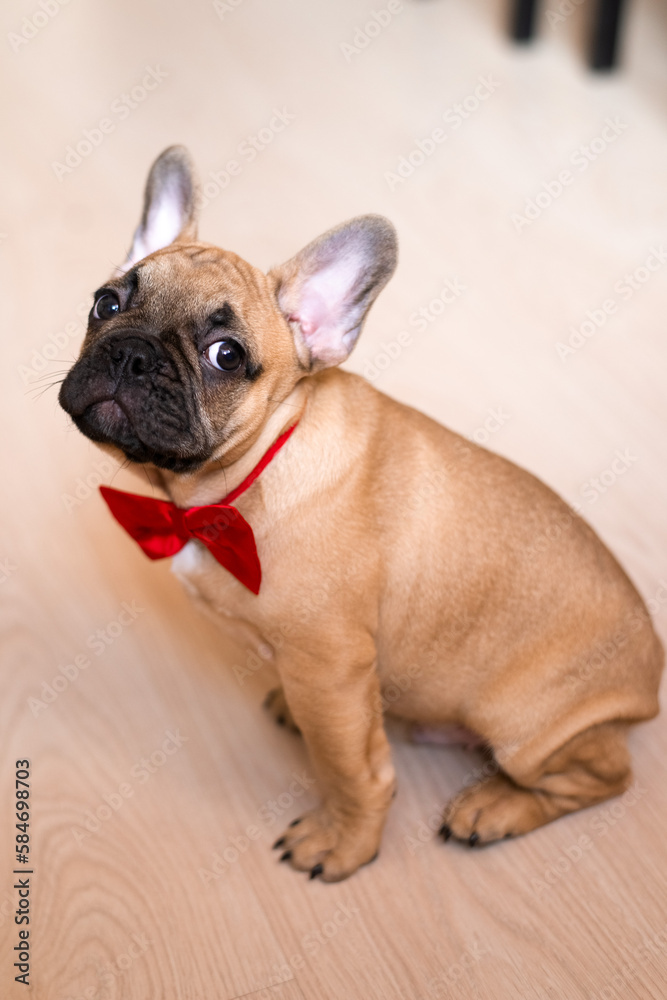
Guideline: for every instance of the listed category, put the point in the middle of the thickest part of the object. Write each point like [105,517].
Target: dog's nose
[132,357]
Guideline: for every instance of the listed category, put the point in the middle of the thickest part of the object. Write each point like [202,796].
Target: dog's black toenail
[445,831]
[279,843]
[286,856]
[507,835]
[281,720]
[317,870]
[473,838]
[295,822]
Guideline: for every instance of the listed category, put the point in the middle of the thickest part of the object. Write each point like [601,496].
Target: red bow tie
[162,529]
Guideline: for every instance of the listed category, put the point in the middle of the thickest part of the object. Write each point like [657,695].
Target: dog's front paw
[329,847]
[276,704]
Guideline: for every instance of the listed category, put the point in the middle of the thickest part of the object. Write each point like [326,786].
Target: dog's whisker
[120,468]
[41,378]
[42,389]
[61,376]
[148,478]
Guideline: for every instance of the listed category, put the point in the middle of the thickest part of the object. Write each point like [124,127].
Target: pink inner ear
[312,313]
[307,328]
[320,304]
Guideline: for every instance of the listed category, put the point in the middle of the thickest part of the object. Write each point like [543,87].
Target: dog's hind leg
[591,767]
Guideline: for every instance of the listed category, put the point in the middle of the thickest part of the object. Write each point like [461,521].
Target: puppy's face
[189,349]
[184,352]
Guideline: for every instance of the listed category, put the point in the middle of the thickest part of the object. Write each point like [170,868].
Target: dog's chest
[219,596]
[204,579]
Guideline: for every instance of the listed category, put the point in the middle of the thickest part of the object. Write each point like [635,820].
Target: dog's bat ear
[327,289]
[170,206]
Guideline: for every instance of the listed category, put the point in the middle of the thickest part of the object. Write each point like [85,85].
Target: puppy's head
[189,349]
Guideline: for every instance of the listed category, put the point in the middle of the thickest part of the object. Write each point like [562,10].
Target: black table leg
[605,34]
[523,20]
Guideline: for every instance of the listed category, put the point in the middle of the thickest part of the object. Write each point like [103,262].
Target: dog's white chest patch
[187,565]
[205,580]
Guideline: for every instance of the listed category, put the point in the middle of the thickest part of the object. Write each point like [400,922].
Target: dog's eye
[226,355]
[107,306]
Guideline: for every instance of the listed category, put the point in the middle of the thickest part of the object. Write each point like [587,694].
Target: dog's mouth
[127,391]
[107,422]
[109,416]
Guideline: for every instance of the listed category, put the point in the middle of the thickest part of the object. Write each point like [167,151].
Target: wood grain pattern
[171,889]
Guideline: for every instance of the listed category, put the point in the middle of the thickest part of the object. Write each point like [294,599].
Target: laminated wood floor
[528,312]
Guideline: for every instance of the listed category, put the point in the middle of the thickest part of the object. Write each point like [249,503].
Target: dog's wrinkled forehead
[181,287]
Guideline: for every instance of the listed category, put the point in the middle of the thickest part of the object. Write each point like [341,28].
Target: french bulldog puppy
[394,554]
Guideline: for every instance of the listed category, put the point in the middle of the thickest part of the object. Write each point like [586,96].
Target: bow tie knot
[206,523]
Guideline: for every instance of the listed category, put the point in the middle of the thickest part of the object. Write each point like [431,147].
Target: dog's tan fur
[397,554]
